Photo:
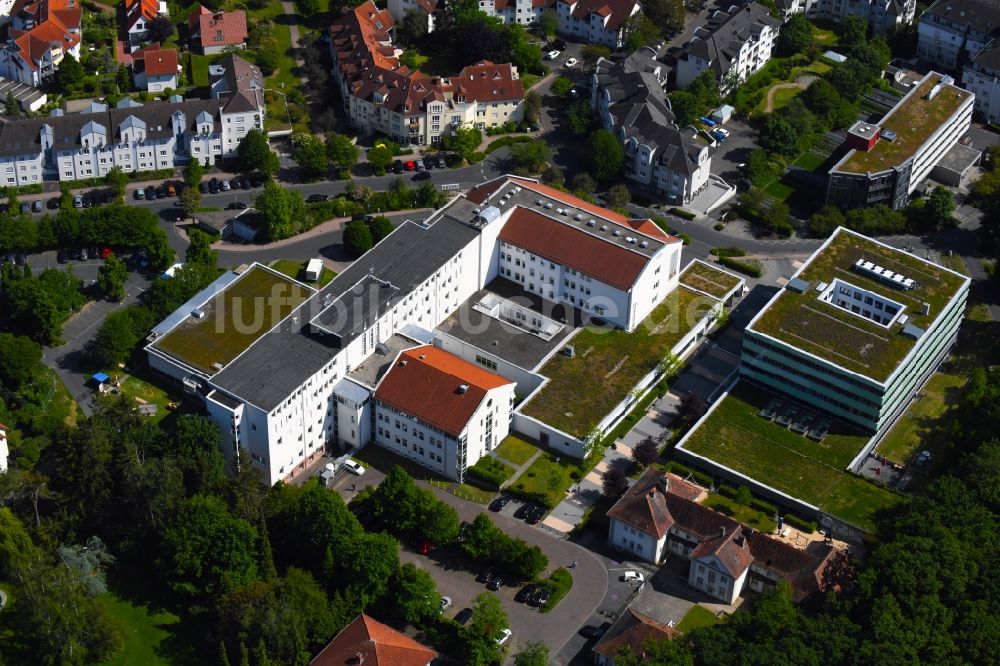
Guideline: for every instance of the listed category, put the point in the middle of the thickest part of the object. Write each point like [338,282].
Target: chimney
[463,388]
[662,484]
[722,531]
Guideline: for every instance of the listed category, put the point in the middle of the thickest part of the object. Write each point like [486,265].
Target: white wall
[644,546]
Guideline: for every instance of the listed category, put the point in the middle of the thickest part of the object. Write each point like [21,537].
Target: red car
[105,253]
[425,547]
[411,166]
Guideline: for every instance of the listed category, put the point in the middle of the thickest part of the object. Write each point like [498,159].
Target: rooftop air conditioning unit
[590,223]
[644,244]
[604,227]
[617,232]
[463,388]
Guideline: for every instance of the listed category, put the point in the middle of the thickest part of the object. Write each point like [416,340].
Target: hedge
[800,523]
[34,188]
[559,583]
[763,507]
[727,252]
[680,212]
[506,141]
[491,471]
[751,267]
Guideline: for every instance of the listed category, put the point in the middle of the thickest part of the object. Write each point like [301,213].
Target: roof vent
[463,388]
[539,202]
[475,211]
[604,227]
[402,361]
[925,308]
[198,313]
[644,244]
[798,286]
[617,232]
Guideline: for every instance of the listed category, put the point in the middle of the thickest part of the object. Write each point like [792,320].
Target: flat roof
[959,158]
[704,277]
[913,119]
[850,341]
[234,319]
[373,368]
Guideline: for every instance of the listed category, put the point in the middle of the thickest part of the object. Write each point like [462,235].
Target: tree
[581,118]
[161,28]
[939,207]
[111,278]
[583,183]
[639,31]
[281,210]
[778,135]
[853,32]
[614,482]
[796,35]
[379,157]
[532,108]
[120,332]
[380,227]
[256,155]
[357,238]
[547,22]
[190,200]
[481,538]
[530,156]
[618,196]
[691,408]
[369,562]
[487,621]
[591,53]
[561,86]
[763,167]
[307,8]
[664,652]
[533,654]
[342,153]
[743,496]
[685,106]
[199,250]
[413,597]
[310,154]
[193,173]
[20,362]
[413,26]
[824,221]
[464,141]
[197,448]
[116,180]
[70,72]
[11,107]
[606,156]
[646,452]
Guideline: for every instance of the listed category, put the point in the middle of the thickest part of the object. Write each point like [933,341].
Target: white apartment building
[426,8]
[4,452]
[41,33]
[733,45]
[951,32]
[981,77]
[309,375]
[595,21]
[673,162]
[524,12]
[411,108]
[883,16]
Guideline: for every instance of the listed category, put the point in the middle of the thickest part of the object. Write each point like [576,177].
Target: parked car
[590,631]
[256,180]
[25,207]
[214,186]
[225,186]
[203,187]
[4,208]
[523,511]
[77,201]
[425,547]
[419,164]
[236,205]
[559,44]
[462,529]
[723,131]
[552,55]
[36,206]
[53,203]
[354,467]
[316,198]
[445,604]
[633,577]
[84,255]
[485,576]
[397,167]
[244,182]
[161,192]
[571,63]
[411,166]
[540,597]
[504,636]
[495,583]
[139,194]
[463,615]
[62,256]
[150,194]
[525,593]
[441,162]
[536,513]
[236,184]
[421,175]
[171,191]
[718,136]
[105,252]
[499,503]
[20,259]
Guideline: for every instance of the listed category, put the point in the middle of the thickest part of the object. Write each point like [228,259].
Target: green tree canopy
[120,333]
[357,238]
[796,35]
[311,156]
[342,153]
[281,211]
[70,72]
[380,227]
[606,156]
[111,278]
[20,361]
[413,597]
[116,180]
[256,155]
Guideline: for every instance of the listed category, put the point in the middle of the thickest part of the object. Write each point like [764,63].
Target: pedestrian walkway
[520,470]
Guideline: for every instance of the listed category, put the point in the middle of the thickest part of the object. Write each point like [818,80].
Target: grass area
[234,319]
[758,520]
[516,450]
[466,492]
[783,96]
[491,471]
[609,362]
[955,263]
[529,80]
[198,68]
[297,270]
[825,36]
[708,279]
[812,471]
[384,460]
[59,402]
[545,481]
[138,389]
[779,190]
[697,618]
[809,161]
[910,432]
[143,631]
[559,582]
[913,122]
[842,337]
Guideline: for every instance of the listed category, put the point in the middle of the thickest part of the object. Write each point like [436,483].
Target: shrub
[800,523]
[727,252]
[750,267]
[491,471]
[682,470]
[719,226]
[763,507]
[727,491]
[559,583]
[680,212]
[685,239]
[506,141]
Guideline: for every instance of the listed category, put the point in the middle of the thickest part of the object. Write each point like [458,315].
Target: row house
[42,32]
[882,16]
[981,77]
[733,45]
[595,21]
[524,12]
[155,69]
[674,162]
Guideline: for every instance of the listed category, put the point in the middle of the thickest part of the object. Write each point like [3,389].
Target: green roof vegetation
[848,340]
[733,435]
[610,362]
[913,431]
[234,319]
[296,270]
[708,279]
[913,120]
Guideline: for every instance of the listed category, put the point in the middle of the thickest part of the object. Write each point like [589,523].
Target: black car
[256,180]
[235,205]
[150,194]
[540,597]
[524,594]
[244,182]
[421,175]
[25,207]
[316,198]
[590,631]
[161,192]
[397,167]
[485,576]
[537,513]
[52,203]
[462,529]
[441,162]
[203,187]
[20,259]
[495,583]
[463,615]
[214,185]
[499,503]
[236,184]
[36,205]
[522,511]
[4,208]
[62,256]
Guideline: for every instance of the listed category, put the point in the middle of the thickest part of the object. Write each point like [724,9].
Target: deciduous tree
[311,156]
[111,278]
[256,155]
[614,482]
[281,210]
[343,154]
[606,156]
[357,238]
[646,452]
[413,597]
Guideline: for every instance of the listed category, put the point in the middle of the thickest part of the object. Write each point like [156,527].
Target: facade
[155,69]
[732,45]
[411,108]
[660,515]
[426,8]
[674,162]
[324,353]
[368,641]
[882,16]
[214,32]
[41,33]
[133,136]
[952,32]
[136,17]
[595,21]
[886,162]
[524,12]
[857,331]
[981,77]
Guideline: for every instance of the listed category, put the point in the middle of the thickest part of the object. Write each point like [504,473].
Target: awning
[100,377]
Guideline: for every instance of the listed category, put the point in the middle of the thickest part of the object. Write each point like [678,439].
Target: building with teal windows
[857,330]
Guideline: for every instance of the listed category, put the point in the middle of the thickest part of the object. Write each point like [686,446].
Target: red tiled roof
[157,61]
[650,228]
[372,643]
[222,29]
[616,11]
[729,549]
[56,22]
[644,505]
[425,382]
[141,9]
[633,630]
[487,82]
[561,243]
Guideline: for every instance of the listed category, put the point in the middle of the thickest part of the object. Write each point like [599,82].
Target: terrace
[735,436]
[608,363]
[234,319]
[841,337]
[708,279]
[913,120]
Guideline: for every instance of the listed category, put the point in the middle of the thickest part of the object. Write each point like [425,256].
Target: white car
[354,467]
[571,63]
[552,55]
[503,637]
[445,604]
[720,130]
[633,576]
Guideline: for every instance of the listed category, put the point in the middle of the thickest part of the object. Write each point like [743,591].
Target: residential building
[368,641]
[214,32]
[660,514]
[4,451]
[524,12]
[887,161]
[882,16]
[595,21]
[952,32]
[733,45]
[136,17]
[425,8]
[6,7]
[41,33]
[332,357]
[27,97]
[155,69]
[632,630]
[673,162]
[981,77]
[857,331]
[411,108]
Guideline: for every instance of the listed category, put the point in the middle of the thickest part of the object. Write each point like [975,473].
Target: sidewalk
[520,470]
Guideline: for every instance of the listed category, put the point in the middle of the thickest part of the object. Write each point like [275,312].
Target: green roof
[913,120]
[709,279]
[850,341]
[234,319]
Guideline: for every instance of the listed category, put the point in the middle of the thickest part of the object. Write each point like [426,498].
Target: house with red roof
[367,641]
[42,32]
[632,631]
[136,16]
[155,69]
[214,32]
[595,21]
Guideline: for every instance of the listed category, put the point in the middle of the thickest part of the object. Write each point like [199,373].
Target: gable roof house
[155,69]
[368,641]
[42,32]
[595,21]
[136,17]
[214,32]
[631,630]
[732,45]
[674,162]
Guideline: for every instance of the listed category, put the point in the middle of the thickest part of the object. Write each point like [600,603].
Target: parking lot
[734,151]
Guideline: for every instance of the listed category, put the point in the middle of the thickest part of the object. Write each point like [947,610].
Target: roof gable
[368,641]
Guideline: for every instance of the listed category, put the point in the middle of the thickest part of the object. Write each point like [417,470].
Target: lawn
[296,270]
[465,491]
[736,437]
[384,460]
[955,263]
[491,471]
[529,80]
[142,629]
[758,520]
[59,403]
[825,36]
[809,161]
[546,480]
[138,388]
[609,362]
[198,69]
[779,190]
[910,432]
[516,450]
[697,618]
[708,279]
[783,96]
